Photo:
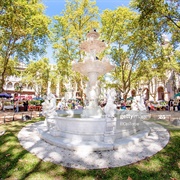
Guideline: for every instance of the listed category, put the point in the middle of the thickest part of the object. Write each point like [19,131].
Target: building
[157,90]
[14,86]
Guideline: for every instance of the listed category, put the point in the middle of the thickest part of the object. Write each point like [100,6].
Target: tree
[162,16]
[128,45]
[69,31]
[24,31]
[39,74]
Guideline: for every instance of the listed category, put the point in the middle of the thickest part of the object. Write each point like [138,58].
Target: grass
[17,164]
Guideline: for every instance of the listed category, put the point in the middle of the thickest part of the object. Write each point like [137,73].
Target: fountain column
[92,67]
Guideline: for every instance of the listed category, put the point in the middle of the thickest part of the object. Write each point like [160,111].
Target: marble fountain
[107,130]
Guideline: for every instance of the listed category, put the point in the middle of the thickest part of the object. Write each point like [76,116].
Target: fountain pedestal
[92,68]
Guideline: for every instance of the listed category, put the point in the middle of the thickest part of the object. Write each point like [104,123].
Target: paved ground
[29,139]
[166,115]
[82,159]
[8,116]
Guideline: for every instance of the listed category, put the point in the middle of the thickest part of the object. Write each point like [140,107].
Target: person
[16,106]
[170,105]
[73,105]
[150,106]
[178,105]
[25,104]
[59,105]
[123,105]
[1,105]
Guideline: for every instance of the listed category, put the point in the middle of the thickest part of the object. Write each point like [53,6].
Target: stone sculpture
[138,104]
[49,111]
[110,107]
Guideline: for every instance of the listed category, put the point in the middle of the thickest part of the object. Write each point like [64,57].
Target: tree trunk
[2,82]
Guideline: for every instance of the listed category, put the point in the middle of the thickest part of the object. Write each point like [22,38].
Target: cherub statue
[49,106]
[49,111]
[110,107]
[138,104]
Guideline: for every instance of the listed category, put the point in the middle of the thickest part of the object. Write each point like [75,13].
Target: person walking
[170,105]
[178,105]
[25,104]
[16,106]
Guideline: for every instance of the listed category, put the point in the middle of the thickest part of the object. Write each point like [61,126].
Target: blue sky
[55,7]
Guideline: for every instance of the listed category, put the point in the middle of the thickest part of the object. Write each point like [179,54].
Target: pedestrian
[59,105]
[25,104]
[178,105]
[16,106]
[170,105]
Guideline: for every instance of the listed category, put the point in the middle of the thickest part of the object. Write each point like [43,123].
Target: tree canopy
[23,29]
[69,30]
[162,16]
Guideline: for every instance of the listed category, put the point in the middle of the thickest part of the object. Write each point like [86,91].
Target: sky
[55,7]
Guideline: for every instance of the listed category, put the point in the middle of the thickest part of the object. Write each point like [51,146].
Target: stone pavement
[130,153]
[166,115]
[8,116]
[82,159]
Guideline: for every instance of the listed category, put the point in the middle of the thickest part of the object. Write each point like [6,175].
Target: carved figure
[49,106]
[49,111]
[138,104]
[110,107]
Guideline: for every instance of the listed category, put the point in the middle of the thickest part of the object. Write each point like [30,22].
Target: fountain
[95,129]
[98,138]
[92,67]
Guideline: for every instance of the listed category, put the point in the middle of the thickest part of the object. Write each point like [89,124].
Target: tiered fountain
[92,67]
[98,138]
[96,129]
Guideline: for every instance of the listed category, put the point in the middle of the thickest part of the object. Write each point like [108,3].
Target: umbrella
[129,98]
[176,95]
[5,95]
[38,98]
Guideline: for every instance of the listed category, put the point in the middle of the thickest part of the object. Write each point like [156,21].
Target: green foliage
[121,31]
[161,16]
[39,73]
[69,30]
[35,102]
[23,29]
[18,163]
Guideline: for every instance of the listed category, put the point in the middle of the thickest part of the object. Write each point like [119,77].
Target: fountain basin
[94,133]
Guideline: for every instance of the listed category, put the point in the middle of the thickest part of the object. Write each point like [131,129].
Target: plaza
[89,90]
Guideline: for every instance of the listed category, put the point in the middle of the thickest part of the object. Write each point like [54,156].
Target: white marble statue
[110,107]
[49,106]
[138,104]
[49,111]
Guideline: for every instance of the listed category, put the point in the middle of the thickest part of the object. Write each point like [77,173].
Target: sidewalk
[7,116]
[168,115]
